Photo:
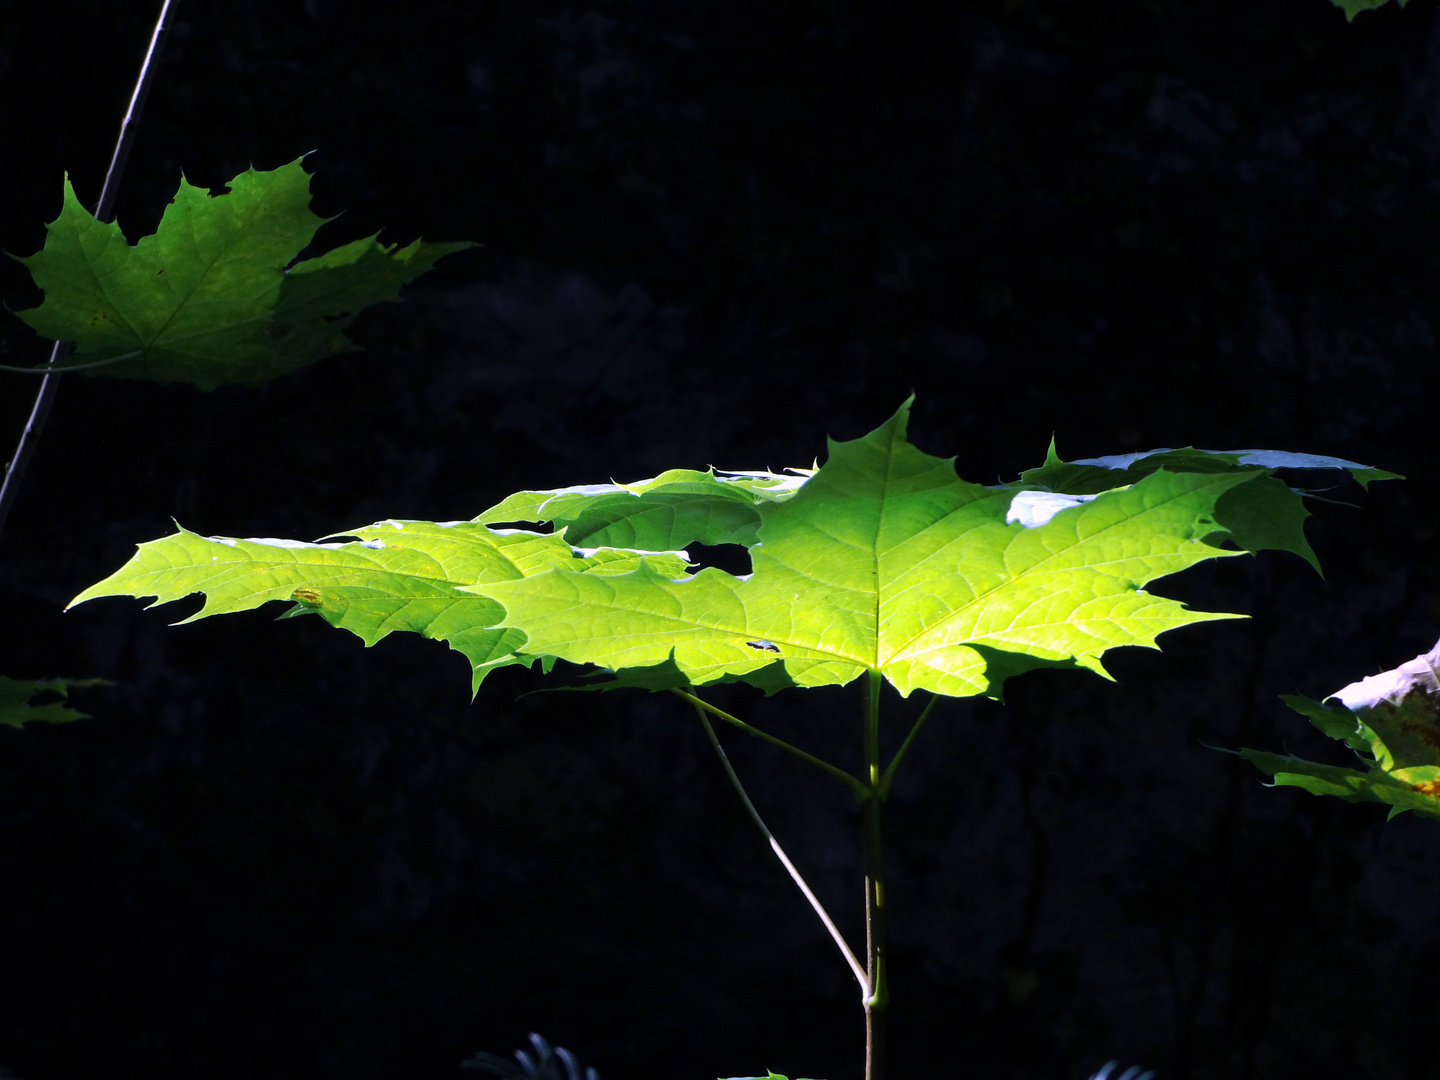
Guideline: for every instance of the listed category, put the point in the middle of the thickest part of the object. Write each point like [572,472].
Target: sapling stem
[861,790]
[795,876]
[875,960]
[104,211]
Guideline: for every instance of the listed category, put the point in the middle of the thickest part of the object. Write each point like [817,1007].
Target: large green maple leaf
[208,299]
[882,560]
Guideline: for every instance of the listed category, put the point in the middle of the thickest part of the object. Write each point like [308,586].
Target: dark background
[715,233]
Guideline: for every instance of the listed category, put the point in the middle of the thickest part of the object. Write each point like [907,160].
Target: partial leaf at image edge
[1392,723]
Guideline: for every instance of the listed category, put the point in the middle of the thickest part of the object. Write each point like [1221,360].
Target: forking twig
[860,790]
[840,942]
[104,211]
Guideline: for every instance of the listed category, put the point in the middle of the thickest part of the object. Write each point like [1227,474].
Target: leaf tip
[87,594]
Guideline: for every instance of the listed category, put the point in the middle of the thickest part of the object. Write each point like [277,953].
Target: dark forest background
[714,234]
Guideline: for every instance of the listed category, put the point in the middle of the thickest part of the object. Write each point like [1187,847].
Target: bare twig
[104,211]
[839,939]
[862,791]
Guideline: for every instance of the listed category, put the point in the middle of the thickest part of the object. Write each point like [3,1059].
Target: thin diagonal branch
[835,934]
[104,211]
[861,790]
[105,208]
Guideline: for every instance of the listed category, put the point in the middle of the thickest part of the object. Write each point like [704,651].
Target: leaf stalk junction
[871,793]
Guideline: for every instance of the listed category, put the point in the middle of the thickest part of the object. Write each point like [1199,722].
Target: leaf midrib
[230,244]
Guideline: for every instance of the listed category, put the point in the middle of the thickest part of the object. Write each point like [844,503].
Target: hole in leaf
[1222,540]
[542,527]
[732,558]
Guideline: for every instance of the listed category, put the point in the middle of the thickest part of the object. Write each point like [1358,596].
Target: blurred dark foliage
[716,233]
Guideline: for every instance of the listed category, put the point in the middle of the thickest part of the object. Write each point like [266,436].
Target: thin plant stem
[34,425]
[795,876]
[48,369]
[105,208]
[875,958]
[862,790]
[104,211]
[889,776]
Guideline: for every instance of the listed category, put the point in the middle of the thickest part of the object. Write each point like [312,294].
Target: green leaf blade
[418,576]
[1392,722]
[206,299]
[881,560]
[1066,590]
[676,508]
[80,260]
[27,701]
[1414,789]
[415,576]
[643,619]
[885,560]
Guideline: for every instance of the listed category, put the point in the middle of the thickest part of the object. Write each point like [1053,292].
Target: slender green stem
[875,958]
[835,934]
[862,790]
[48,369]
[889,777]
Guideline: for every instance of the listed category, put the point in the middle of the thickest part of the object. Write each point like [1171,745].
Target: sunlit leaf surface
[882,560]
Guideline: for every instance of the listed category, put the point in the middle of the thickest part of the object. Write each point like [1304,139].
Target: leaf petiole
[861,789]
[889,777]
[51,369]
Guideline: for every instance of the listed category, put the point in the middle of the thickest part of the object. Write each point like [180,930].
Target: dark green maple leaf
[208,299]
[24,701]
